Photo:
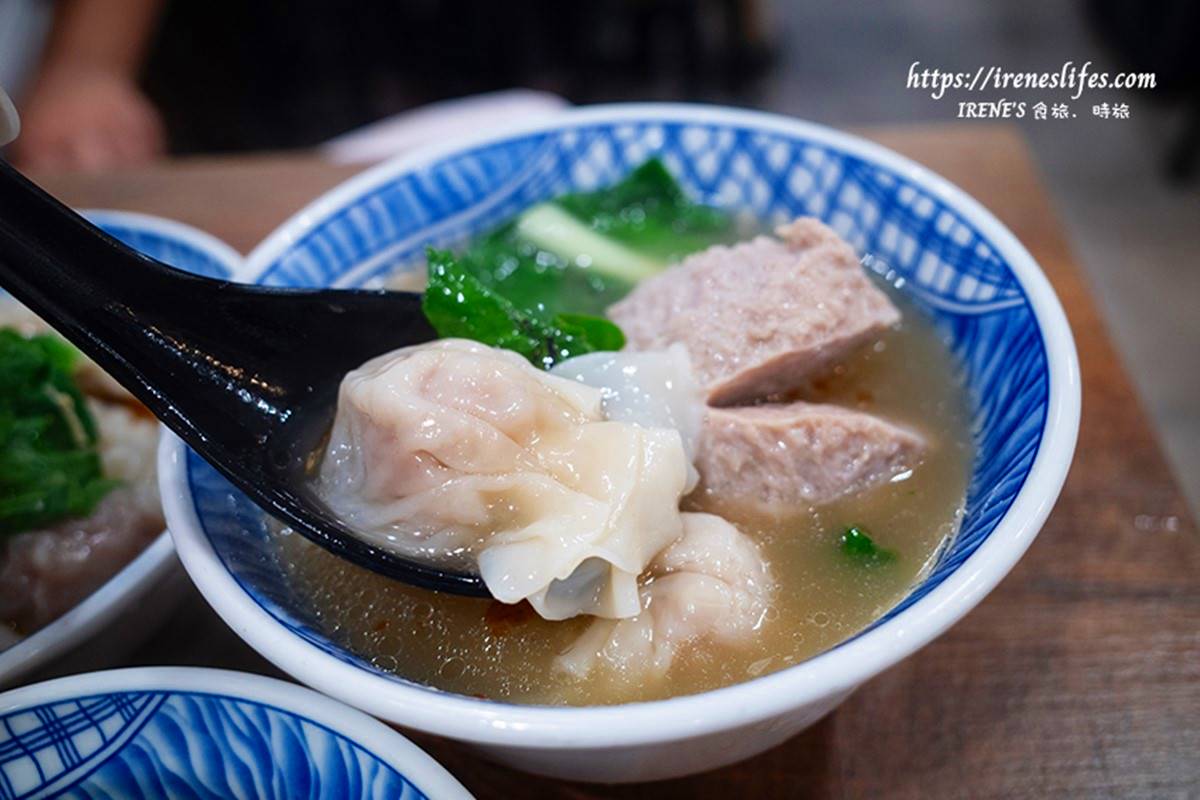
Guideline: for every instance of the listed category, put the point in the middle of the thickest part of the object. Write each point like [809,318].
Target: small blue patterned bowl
[958,263]
[156,569]
[159,733]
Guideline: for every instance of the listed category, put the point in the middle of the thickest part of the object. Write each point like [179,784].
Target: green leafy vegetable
[859,546]
[649,212]
[582,252]
[458,304]
[597,332]
[540,284]
[49,465]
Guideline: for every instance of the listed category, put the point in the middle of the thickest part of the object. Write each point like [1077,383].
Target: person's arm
[84,110]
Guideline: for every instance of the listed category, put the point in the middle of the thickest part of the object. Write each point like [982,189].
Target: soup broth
[821,597]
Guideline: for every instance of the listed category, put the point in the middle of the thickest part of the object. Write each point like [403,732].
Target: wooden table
[1078,677]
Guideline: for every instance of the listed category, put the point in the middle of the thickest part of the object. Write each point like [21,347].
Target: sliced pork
[775,459]
[758,317]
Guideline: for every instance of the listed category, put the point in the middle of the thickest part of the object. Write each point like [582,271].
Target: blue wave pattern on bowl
[133,745]
[167,249]
[947,266]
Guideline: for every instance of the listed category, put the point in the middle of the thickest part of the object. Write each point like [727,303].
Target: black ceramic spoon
[246,375]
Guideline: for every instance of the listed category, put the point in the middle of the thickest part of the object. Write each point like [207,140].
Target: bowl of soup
[730,412]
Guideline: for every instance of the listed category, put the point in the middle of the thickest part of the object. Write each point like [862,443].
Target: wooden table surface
[1078,677]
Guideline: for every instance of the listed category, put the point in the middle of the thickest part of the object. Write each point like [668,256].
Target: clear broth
[484,649]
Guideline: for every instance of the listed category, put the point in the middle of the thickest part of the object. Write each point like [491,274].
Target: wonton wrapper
[712,583]
[453,450]
[654,389]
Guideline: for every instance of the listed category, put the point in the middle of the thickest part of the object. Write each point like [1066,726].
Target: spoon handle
[99,294]
[164,333]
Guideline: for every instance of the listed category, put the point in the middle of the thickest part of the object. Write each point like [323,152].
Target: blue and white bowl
[959,264]
[159,733]
[156,568]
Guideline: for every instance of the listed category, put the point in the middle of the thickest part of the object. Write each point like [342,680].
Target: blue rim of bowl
[876,648]
[413,768]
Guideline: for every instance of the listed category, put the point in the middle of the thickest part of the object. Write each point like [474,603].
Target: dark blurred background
[229,75]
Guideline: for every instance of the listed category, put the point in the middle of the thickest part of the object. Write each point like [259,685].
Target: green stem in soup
[858,545]
[581,252]
[551,228]
[649,212]
[49,463]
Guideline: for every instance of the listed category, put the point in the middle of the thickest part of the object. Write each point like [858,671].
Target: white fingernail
[10,123]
